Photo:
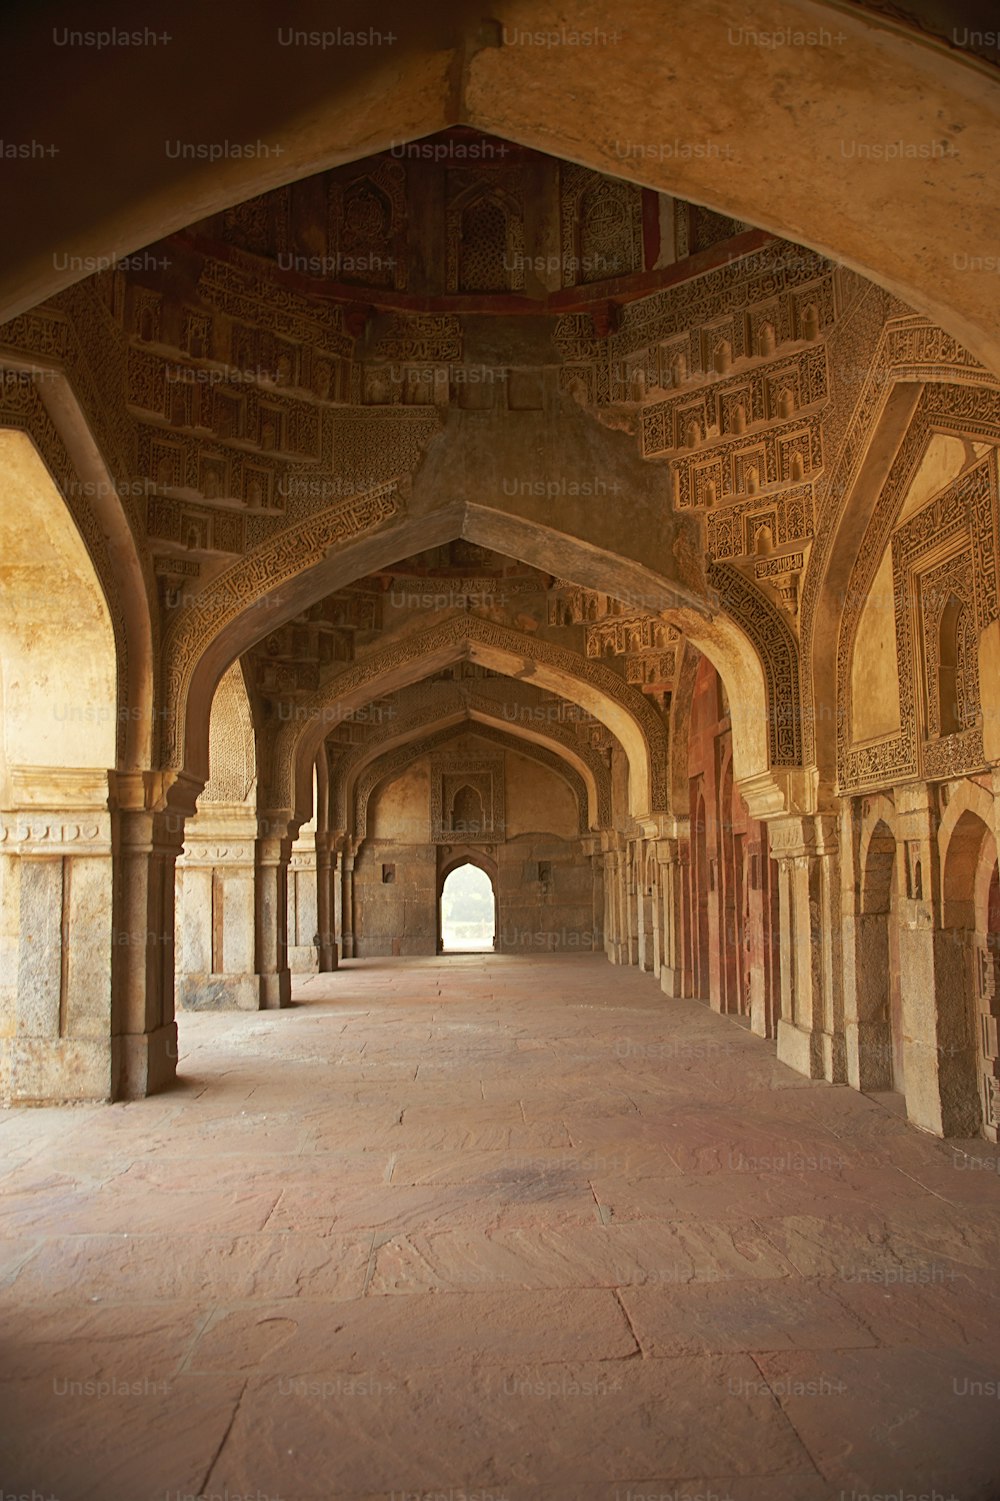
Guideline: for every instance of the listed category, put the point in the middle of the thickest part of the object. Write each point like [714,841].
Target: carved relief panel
[467,799]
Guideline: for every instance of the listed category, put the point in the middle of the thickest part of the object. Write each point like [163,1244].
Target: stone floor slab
[521,1226]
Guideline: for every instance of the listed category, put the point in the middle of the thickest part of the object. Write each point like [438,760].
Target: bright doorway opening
[468,911]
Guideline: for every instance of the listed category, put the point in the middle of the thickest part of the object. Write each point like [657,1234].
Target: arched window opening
[467,812]
[484,247]
[948,654]
[468,911]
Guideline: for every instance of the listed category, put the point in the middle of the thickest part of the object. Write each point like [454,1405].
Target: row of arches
[898,959]
[718,893]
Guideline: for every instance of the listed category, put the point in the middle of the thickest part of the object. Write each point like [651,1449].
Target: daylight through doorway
[468,911]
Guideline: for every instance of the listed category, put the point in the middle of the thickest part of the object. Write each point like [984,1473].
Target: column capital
[667,851]
[657,825]
[154,792]
[780,792]
[276,824]
[803,838]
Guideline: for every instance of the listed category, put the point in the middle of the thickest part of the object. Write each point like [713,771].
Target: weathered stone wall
[544,882]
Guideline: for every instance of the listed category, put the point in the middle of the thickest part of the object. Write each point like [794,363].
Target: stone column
[607,861]
[271,856]
[590,846]
[940,1049]
[810,1028]
[670,883]
[630,953]
[56,941]
[303,905]
[325,922]
[216,967]
[867,1030]
[347,860]
[149,814]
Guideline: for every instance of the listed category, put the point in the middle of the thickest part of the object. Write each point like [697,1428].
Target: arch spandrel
[83,491]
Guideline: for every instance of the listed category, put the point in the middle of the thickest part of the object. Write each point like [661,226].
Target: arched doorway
[467,909]
[879,994]
[700,889]
[969,1001]
[732,882]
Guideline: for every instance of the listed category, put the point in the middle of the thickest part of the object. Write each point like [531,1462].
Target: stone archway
[968,997]
[595,687]
[372,769]
[454,935]
[61,927]
[880,1020]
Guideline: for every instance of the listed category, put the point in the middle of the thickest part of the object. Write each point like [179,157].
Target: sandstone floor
[481,1227]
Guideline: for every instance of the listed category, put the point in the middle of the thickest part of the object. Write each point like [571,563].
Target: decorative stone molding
[778,652]
[956,530]
[244,584]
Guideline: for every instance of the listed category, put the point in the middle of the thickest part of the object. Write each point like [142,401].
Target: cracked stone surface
[505,1228]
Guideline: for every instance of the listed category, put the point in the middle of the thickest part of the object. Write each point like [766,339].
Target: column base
[55,1070]
[940,1090]
[869,1056]
[303,959]
[275,991]
[671,981]
[208,992]
[800,1049]
[144,1063]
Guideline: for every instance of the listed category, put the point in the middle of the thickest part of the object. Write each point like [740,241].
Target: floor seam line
[781,1408]
[222,1442]
[631,1327]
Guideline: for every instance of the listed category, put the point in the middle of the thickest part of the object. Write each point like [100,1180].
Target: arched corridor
[463,490]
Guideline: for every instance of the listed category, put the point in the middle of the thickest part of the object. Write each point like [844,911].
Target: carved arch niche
[485,231]
[467,799]
[367,227]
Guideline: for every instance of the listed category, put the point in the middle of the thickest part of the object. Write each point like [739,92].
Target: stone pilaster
[630,901]
[642,906]
[591,847]
[275,833]
[215,911]
[325,918]
[941,1056]
[867,1028]
[810,1028]
[672,860]
[149,813]
[347,859]
[303,905]
[57,942]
